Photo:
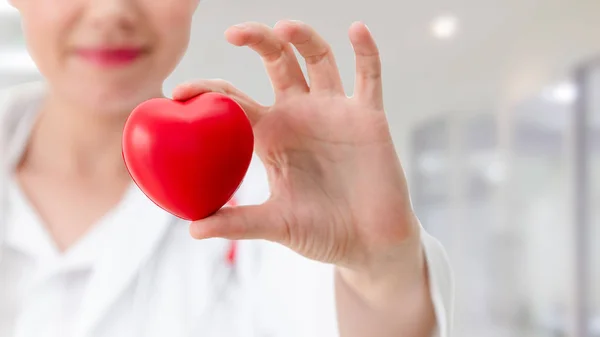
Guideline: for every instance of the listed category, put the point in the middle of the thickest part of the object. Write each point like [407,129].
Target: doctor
[85,253]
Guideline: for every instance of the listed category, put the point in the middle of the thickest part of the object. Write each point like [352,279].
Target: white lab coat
[157,281]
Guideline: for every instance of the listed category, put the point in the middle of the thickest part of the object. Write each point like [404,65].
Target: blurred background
[495,110]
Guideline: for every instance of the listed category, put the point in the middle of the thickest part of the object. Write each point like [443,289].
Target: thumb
[242,223]
[185,91]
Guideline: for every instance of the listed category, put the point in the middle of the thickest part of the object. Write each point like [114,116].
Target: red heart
[188,157]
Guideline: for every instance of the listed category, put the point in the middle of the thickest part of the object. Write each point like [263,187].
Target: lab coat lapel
[18,110]
[124,258]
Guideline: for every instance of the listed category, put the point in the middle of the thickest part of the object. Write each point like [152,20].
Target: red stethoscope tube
[231,255]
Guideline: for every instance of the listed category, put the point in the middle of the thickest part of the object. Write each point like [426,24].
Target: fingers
[368,84]
[253,109]
[279,58]
[275,48]
[322,70]
[241,223]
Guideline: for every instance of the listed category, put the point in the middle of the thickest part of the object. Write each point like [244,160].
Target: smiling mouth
[111,57]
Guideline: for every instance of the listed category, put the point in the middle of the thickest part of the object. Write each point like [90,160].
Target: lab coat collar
[129,252]
[18,107]
[124,258]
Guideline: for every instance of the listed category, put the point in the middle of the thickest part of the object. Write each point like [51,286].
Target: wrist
[393,294]
[398,275]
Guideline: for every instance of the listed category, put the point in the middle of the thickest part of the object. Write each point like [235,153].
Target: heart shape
[188,157]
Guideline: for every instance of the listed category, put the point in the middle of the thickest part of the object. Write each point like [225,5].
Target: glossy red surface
[188,157]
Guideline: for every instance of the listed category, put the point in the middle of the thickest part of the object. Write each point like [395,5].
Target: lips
[110,57]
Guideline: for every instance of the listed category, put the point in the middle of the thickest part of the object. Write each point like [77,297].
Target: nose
[121,14]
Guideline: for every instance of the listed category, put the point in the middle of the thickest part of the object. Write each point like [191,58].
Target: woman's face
[106,55]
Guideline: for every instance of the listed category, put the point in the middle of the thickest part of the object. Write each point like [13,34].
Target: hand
[338,192]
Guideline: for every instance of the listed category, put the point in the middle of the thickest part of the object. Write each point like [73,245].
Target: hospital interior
[494,107]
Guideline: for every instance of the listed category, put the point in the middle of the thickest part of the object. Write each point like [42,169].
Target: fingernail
[240,26]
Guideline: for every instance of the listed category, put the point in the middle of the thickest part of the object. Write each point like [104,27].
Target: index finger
[278,56]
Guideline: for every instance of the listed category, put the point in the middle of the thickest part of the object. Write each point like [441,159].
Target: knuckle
[370,68]
[372,74]
[263,26]
[319,56]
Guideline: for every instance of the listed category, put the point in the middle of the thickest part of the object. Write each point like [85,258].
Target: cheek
[174,29]
[43,28]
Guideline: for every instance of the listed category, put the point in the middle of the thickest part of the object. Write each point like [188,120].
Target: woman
[85,253]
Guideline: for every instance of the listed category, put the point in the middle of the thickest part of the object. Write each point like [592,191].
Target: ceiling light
[563,93]
[444,27]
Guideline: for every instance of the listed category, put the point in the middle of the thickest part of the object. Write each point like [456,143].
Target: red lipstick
[110,57]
